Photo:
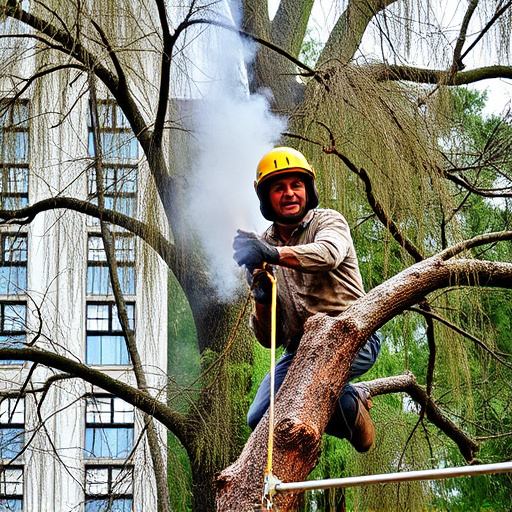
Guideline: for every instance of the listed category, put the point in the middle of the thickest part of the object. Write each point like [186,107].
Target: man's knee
[366,357]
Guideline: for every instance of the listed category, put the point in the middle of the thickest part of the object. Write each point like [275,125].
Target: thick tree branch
[477,241]
[150,235]
[289,24]
[320,369]
[382,72]
[345,38]
[174,421]
[113,56]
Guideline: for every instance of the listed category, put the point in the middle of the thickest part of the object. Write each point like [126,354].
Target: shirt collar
[301,227]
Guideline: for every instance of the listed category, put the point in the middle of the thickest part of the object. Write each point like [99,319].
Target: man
[315,264]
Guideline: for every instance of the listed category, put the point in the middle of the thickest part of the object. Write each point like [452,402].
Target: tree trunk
[203,478]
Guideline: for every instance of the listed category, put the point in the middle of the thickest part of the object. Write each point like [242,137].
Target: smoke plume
[233,131]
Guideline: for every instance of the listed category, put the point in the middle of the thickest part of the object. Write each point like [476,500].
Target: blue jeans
[343,419]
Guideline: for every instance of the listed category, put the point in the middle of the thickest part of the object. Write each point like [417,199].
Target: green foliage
[311,48]
[183,355]
[199,385]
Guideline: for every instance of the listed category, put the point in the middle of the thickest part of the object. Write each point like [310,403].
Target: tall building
[66,445]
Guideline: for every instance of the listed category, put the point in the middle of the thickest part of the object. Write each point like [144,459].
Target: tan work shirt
[328,278]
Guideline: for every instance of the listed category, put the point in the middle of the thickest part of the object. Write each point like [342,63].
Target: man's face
[288,198]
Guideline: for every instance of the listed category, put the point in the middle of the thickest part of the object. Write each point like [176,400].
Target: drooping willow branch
[375,205]
[464,333]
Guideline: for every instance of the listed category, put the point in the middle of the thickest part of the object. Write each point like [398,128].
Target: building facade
[64,444]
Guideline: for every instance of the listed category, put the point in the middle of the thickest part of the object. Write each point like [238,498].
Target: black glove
[252,252]
[261,287]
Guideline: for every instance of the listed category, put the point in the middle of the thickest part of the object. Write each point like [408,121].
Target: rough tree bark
[320,369]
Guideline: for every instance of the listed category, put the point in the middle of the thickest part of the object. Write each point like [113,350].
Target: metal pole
[406,476]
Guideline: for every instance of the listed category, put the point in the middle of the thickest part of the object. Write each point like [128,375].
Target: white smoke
[233,131]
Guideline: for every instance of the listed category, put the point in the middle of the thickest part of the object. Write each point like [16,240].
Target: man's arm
[329,243]
[287,258]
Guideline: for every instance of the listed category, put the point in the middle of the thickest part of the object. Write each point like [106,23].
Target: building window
[120,188]
[105,341]
[14,156]
[117,140]
[11,488]
[109,426]
[13,316]
[108,488]
[119,156]
[98,276]
[12,428]
[13,264]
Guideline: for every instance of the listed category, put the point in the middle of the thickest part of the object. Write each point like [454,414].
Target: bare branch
[457,58]
[277,49]
[165,65]
[41,74]
[463,182]
[407,384]
[67,44]
[174,421]
[150,235]
[457,329]
[491,22]
[112,54]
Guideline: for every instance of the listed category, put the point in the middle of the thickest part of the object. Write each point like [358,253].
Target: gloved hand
[252,251]
[261,287]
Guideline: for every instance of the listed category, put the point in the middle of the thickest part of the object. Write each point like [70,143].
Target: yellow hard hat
[283,160]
